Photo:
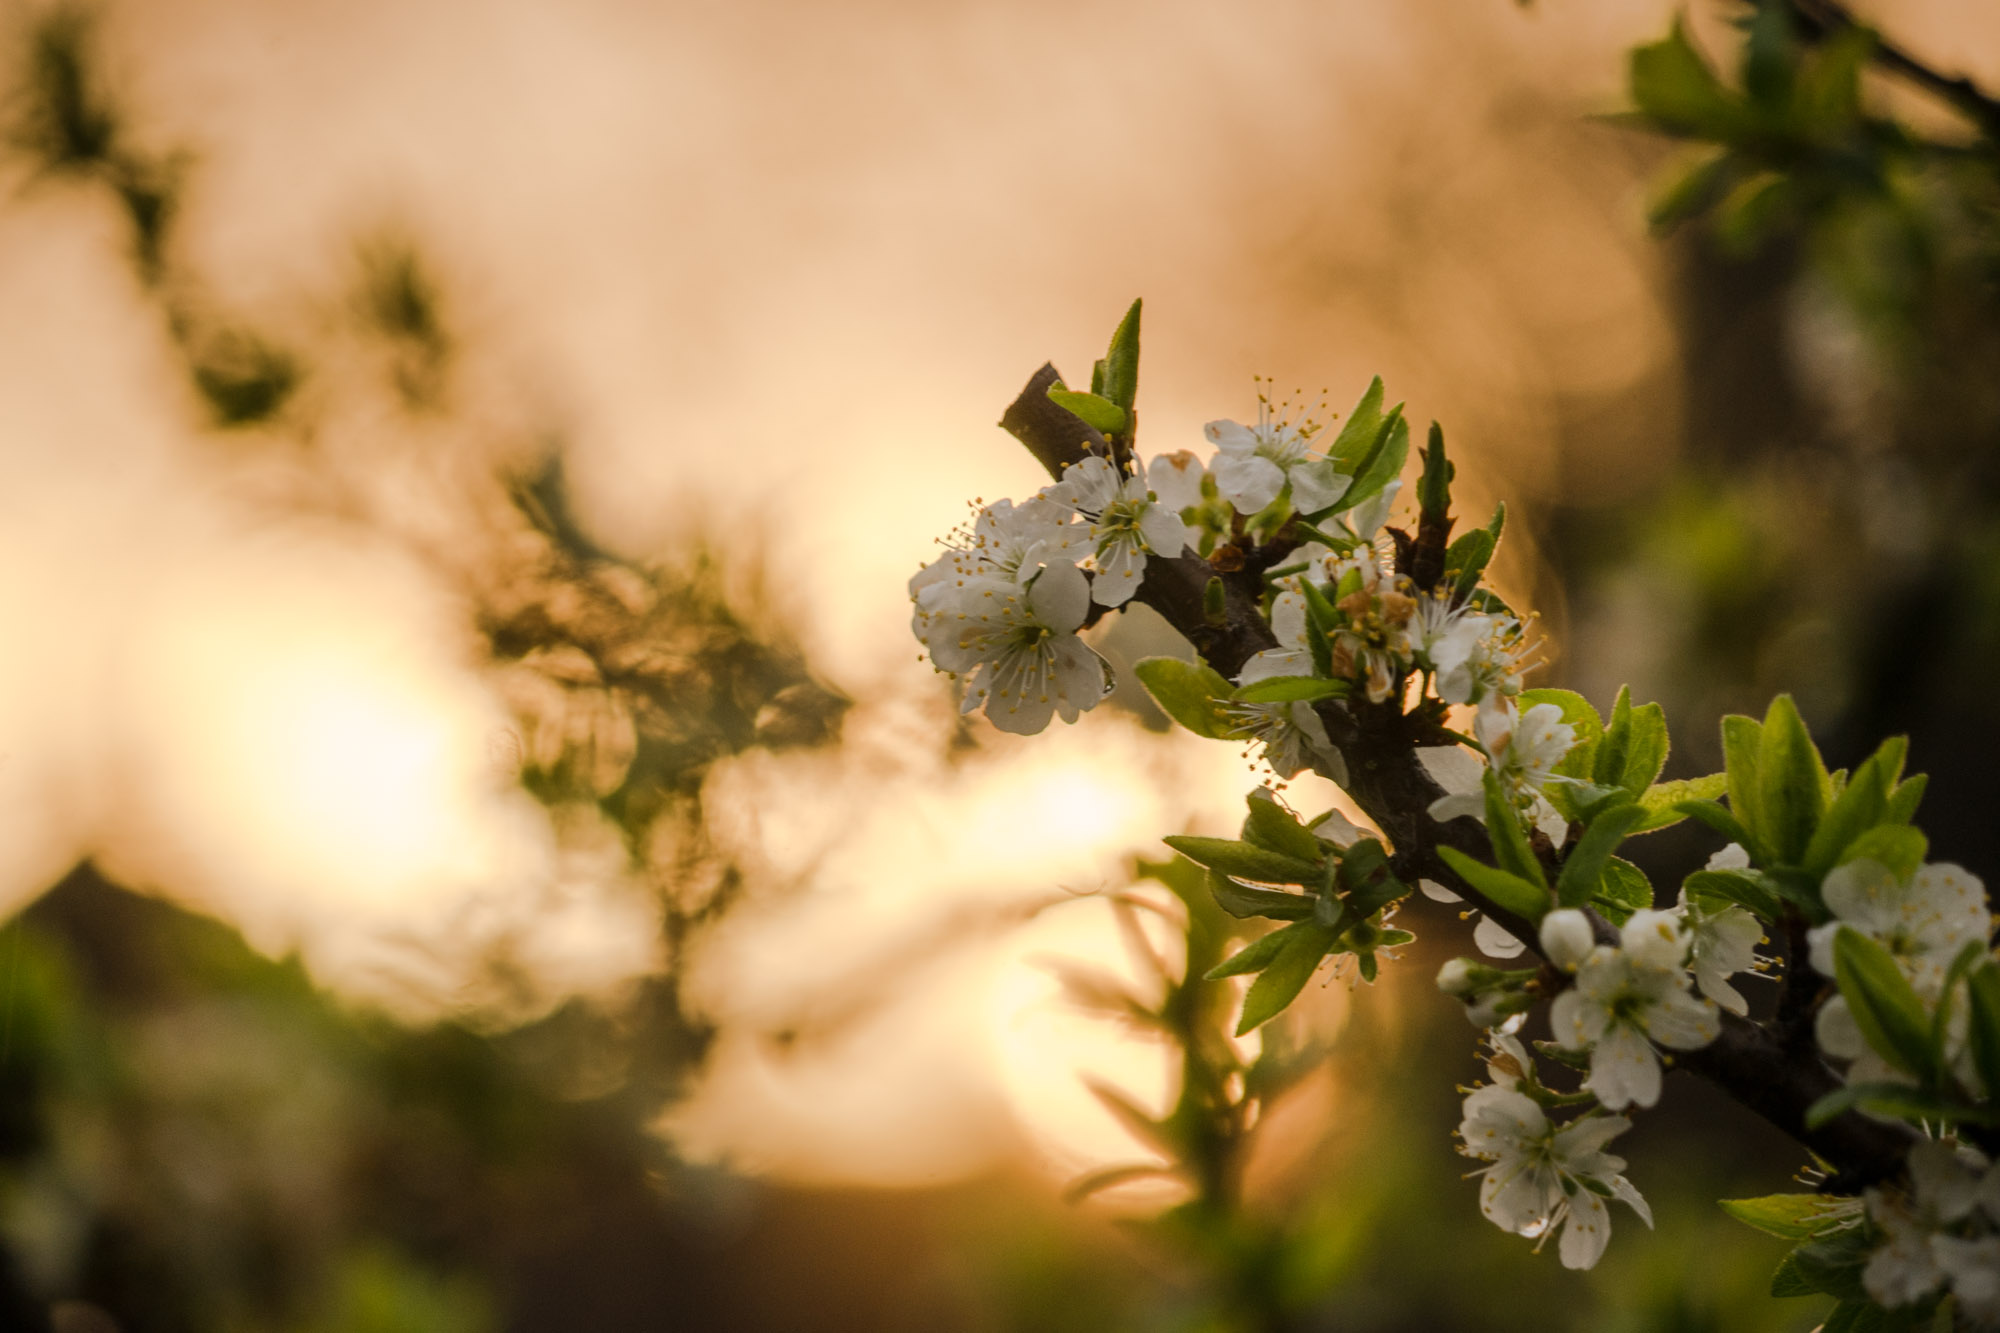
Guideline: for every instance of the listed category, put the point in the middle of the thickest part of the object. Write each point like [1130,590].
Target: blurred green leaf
[1190,694]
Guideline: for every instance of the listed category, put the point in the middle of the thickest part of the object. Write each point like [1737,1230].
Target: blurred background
[480,849]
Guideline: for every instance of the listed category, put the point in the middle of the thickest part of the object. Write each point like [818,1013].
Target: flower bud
[1567,938]
[1458,977]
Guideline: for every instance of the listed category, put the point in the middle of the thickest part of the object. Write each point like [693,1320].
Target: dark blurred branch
[1821,19]
[1776,1079]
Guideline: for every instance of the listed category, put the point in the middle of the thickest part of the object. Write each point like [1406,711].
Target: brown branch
[1778,1080]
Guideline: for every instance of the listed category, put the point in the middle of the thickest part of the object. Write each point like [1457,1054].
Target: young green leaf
[1291,689]
[1831,1264]
[1660,799]
[1584,867]
[1357,437]
[1674,86]
[1366,879]
[1246,861]
[1516,895]
[1271,825]
[1792,782]
[1252,957]
[1715,889]
[1856,810]
[1899,1100]
[1244,902]
[1903,801]
[1885,1008]
[1190,694]
[1897,846]
[1719,818]
[1511,850]
[1384,463]
[1623,890]
[1121,363]
[1742,742]
[1982,990]
[1790,1216]
[1466,559]
[1102,413]
[1322,619]
[1434,486]
[1285,975]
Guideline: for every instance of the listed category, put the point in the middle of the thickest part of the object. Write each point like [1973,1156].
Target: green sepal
[1244,902]
[1097,412]
[1660,801]
[1519,896]
[1789,1216]
[1246,861]
[1293,689]
[1623,890]
[1281,980]
[1885,1008]
[1272,826]
[1190,693]
[1578,880]
[1792,782]
[1121,363]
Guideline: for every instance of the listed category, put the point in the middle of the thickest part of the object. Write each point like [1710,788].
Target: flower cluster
[1940,1231]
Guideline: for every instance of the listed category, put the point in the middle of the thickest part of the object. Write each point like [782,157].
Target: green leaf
[1623,890]
[1246,861]
[1190,694]
[1712,889]
[1856,810]
[1792,782]
[1900,1100]
[1693,190]
[1673,85]
[1511,850]
[1322,619]
[1885,1008]
[1519,896]
[1831,1264]
[1719,818]
[1286,975]
[1897,846]
[1366,879]
[1384,463]
[1982,990]
[1155,1134]
[1903,801]
[1466,559]
[1121,363]
[1434,486]
[1581,717]
[1660,800]
[1291,689]
[1358,436]
[1272,826]
[1790,1216]
[1252,957]
[1244,902]
[1742,741]
[1100,413]
[1584,867]
[1106,1177]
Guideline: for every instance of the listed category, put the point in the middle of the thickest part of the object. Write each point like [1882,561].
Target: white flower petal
[1060,597]
[1587,1231]
[1249,483]
[1494,940]
[1624,1071]
[1315,485]
[1175,479]
[1231,438]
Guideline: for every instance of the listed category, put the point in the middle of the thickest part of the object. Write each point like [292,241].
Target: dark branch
[1820,19]
[1776,1079]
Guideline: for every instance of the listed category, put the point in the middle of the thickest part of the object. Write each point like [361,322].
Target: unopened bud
[1567,938]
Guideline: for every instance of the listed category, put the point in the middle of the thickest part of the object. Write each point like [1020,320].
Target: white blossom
[1923,922]
[1724,943]
[1627,998]
[1126,524]
[1543,1176]
[1016,645]
[1176,479]
[1567,938]
[1253,464]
